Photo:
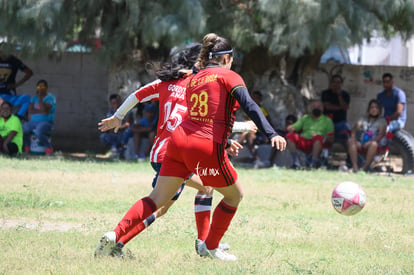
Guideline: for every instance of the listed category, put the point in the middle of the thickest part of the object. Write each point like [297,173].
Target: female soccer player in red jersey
[170,91]
[198,143]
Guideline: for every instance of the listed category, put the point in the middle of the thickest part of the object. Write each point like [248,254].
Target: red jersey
[172,110]
[211,106]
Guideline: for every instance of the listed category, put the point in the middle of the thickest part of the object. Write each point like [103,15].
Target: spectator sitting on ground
[289,120]
[394,102]
[251,139]
[41,117]
[116,140]
[316,129]
[335,104]
[11,133]
[9,66]
[146,128]
[368,135]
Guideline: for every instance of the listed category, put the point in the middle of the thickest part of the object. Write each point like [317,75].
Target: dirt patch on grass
[42,226]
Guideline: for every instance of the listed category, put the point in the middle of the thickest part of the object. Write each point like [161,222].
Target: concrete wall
[364,83]
[80,85]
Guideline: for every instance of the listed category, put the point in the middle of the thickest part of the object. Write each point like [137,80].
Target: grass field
[53,212]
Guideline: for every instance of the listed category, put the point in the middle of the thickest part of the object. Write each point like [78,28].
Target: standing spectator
[41,117]
[394,103]
[316,129]
[11,133]
[112,139]
[336,104]
[9,66]
[367,136]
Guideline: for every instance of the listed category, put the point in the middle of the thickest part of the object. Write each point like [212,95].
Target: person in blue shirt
[394,102]
[41,117]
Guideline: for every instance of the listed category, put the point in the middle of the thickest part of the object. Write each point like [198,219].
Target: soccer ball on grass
[348,198]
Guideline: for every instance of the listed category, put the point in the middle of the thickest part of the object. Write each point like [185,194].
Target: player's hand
[110,123]
[279,142]
[233,150]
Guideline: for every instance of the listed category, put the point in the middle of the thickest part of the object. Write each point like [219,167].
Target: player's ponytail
[213,48]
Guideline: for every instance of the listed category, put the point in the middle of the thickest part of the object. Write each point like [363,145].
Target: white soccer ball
[348,198]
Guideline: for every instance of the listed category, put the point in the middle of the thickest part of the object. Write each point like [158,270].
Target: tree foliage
[290,27]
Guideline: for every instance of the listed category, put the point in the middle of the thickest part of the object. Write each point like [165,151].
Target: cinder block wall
[80,85]
[364,83]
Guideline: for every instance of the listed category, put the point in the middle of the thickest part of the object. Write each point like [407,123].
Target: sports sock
[223,214]
[135,215]
[137,229]
[202,211]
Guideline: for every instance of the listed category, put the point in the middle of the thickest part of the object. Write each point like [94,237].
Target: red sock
[223,214]
[135,215]
[202,211]
[137,229]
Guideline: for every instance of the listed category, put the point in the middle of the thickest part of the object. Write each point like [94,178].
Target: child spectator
[11,133]
[41,117]
[116,140]
[367,135]
[146,128]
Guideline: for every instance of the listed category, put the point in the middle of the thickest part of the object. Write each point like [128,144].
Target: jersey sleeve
[232,81]
[149,92]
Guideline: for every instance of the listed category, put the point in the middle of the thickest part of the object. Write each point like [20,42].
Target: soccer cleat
[222,246]
[215,253]
[117,251]
[106,244]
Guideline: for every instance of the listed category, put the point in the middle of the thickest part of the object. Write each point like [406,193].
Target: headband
[211,54]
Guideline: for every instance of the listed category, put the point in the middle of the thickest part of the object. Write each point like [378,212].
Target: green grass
[53,212]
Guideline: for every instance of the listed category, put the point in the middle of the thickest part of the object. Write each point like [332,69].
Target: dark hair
[42,81]
[257,93]
[7,103]
[212,43]
[337,76]
[387,75]
[374,101]
[293,118]
[114,96]
[182,59]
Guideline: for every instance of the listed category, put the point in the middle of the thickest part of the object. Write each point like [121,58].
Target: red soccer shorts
[190,153]
[303,144]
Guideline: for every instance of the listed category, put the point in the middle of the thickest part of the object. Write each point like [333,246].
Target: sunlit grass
[53,212]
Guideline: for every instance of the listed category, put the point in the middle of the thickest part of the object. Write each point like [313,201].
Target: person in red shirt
[198,143]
